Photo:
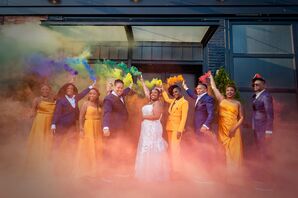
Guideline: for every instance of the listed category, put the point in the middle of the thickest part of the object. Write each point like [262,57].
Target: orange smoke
[175,79]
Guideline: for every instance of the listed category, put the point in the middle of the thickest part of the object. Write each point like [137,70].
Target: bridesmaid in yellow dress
[40,137]
[230,120]
[90,144]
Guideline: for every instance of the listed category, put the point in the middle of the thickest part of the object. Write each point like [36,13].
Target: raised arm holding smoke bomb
[178,110]
[204,107]
[230,96]
[115,113]
[145,88]
[229,122]
[153,96]
[151,137]
[67,111]
[115,126]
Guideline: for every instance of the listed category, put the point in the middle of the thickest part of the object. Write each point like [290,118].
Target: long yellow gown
[89,151]
[228,118]
[40,138]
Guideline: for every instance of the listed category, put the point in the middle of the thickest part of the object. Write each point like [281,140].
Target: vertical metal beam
[130,39]
[295,43]
[211,30]
[228,48]
[205,59]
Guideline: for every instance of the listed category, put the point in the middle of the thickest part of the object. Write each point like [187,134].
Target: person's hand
[268,135]
[184,85]
[160,87]
[179,134]
[203,130]
[94,82]
[232,132]
[141,78]
[106,132]
[210,75]
[144,118]
[31,114]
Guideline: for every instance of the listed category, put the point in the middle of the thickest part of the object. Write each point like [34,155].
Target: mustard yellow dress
[40,138]
[228,118]
[89,151]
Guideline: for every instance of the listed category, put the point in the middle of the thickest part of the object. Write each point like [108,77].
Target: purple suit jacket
[115,114]
[204,110]
[263,114]
[65,115]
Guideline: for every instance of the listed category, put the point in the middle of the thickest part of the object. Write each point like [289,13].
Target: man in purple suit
[203,117]
[204,108]
[262,123]
[115,114]
[262,118]
[115,117]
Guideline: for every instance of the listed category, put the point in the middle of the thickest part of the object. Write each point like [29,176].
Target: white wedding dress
[152,162]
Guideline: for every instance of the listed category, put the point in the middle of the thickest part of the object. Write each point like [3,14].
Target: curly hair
[232,86]
[156,89]
[172,87]
[98,102]
[62,90]
[45,85]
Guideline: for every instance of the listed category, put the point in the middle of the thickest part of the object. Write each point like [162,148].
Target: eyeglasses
[255,85]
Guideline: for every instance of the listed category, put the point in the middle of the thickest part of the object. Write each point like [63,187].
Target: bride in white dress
[152,162]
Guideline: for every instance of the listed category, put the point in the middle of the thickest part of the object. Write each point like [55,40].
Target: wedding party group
[80,141]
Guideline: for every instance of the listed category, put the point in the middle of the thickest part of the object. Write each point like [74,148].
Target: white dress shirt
[71,100]
[121,98]
[197,100]
[258,94]
[199,97]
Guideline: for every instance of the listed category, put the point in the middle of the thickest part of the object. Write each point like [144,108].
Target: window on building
[279,72]
[170,33]
[149,43]
[264,49]
[262,39]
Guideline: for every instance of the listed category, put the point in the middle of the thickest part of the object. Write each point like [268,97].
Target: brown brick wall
[20,19]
